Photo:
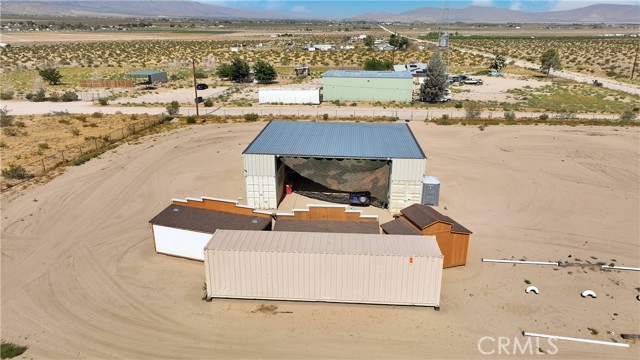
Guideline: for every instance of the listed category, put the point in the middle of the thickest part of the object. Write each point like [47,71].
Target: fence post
[44,168]
[80,147]
[95,141]
[62,153]
[122,129]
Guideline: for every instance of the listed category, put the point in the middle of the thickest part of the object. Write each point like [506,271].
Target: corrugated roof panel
[337,140]
[368,74]
[324,243]
[145,73]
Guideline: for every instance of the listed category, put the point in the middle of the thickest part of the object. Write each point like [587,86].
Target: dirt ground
[80,278]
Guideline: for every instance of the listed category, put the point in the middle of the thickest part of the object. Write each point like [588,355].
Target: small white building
[289,96]
[323,47]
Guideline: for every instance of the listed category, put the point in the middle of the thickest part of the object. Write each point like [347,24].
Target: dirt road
[80,278]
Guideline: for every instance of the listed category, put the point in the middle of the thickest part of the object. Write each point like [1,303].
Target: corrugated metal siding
[405,188]
[367,89]
[404,193]
[378,269]
[408,169]
[260,181]
[368,74]
[335,140]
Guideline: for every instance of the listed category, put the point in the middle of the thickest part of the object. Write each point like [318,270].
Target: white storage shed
[289,96]
[183,228]
[348,268]
[383,158]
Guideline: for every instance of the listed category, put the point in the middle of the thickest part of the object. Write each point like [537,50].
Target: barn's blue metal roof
[145,73]
[368,74]
[343,140]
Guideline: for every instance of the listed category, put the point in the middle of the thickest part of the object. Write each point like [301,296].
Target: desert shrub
[11,350]
[20,124]
[97,114]
[50,75]
[473,111]
[74,132]
[208,103]
[15,172]
[69,96]
[54,97]
[103,101]
[43,146]
[336,102]
[10,131]
[251,117]
[38,96]
[458,105]
[173,108]
[544,117]
[628,116]
[325,116]
[6,94]
[5,119]
[445,116]
[191,120]
[509,115]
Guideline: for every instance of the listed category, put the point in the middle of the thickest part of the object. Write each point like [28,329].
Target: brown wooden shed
[452,238]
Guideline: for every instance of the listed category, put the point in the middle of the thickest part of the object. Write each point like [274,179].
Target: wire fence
[80,152]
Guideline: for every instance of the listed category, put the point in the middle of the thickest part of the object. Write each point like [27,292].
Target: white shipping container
[289,96]
[405,188]
[350,268]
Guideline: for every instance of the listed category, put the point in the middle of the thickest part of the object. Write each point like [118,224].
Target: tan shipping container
[350,268]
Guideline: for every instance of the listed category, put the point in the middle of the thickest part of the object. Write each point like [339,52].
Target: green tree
[498,63]
[368,41]
[436,82]
[173,108]
[264,72]
[224,71]
[240,69]
[550,59]
[398,42]
[50,75]
[372,64]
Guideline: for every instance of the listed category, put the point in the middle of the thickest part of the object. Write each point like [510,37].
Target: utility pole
[195,85]
[635,61]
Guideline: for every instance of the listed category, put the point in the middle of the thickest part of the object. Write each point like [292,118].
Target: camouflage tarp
[345,174]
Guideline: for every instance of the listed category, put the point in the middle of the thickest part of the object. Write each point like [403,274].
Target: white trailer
[346,268]
[289,96]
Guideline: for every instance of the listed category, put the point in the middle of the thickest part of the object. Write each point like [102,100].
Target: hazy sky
[339,9]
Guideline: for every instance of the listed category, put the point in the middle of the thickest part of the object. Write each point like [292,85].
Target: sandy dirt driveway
[81,280]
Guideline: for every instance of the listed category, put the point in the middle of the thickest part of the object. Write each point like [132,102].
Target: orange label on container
[411,260]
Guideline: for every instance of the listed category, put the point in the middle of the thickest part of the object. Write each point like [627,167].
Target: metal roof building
[359,85]
[342,157]
[150,76]
[350,268]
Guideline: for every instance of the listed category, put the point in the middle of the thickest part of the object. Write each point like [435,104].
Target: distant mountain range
[600,13]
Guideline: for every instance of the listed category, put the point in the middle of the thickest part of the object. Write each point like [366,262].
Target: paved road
[608,83]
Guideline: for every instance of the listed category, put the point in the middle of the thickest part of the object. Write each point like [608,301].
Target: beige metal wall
[406,183]
[260,181]
[301,267]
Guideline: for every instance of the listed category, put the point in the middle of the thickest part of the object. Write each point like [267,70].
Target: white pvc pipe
[524,333]
[521,262]
[620,268]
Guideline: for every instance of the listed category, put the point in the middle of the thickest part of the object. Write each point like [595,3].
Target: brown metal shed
[452,237]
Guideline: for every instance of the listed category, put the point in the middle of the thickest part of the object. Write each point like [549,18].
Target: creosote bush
[15,172]
[251,117]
